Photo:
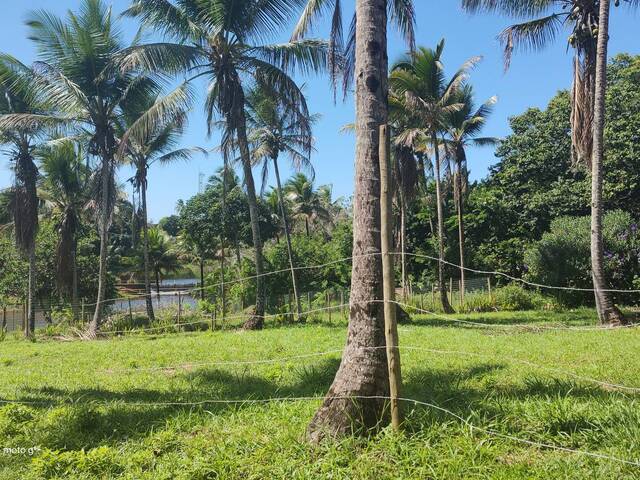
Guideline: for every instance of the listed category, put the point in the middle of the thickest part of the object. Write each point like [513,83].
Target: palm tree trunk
[94,325]
[30,326]
[157,273]
[363,370]
[287,233]
[223,290]
[446,306]
[306,226]
[201,278]
[459,205]
[256,321]
[74,280]
[145,247]
[608,313]
[403,246]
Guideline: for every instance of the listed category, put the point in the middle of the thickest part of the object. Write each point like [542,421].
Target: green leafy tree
[17,99]
[144,148]
[64,187]
[279,127]
[307,203]
[463,128]
[221,41]
[162,257]
[419,86]
[77,79]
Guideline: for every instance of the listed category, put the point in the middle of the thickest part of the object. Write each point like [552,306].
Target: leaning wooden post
[179,308]
[389,289]
[3,327]
[130,311]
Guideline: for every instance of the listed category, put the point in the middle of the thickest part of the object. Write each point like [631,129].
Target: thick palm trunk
[363,369]
[145,247]
[608,313]
[446,306]
[94,325]
[287,233]
[256,321]
[459,202]
[30,325]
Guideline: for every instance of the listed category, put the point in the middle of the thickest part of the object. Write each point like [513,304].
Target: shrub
[562,257]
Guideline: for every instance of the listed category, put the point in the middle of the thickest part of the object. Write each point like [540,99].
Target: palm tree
[276,127]
[462,127]
[21,138]
[363,371]
[220,41]
[419,85]
[162,259]
[143,149]
[75,76]
[608,313]
[306,202]
[64,187]
[583,18]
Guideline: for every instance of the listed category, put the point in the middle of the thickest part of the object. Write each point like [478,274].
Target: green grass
[95,421]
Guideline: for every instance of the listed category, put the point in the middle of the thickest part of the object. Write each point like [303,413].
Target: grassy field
[95,415]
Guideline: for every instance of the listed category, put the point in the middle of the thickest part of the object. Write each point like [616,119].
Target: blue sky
[532,80]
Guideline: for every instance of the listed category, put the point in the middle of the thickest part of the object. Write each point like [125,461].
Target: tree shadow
[99,416]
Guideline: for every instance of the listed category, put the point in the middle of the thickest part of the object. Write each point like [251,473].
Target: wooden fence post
[389,289]
[3,327]
[130,311]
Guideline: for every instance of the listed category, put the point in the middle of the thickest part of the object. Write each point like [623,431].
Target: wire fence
[184,300]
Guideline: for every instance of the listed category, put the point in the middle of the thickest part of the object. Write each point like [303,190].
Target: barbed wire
[288,359]
[188,291]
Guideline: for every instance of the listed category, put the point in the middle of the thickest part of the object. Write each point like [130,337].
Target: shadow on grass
[96,416]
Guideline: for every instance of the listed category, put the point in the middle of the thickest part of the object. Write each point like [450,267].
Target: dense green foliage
[561,256]
[535,182]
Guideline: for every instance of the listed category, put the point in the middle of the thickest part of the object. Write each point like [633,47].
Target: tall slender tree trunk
[403,246]
[74,280]
[363,369]
[157,273]
[608,313]
[446,306]
[145,246]
[94,325]
[256,321]
[287,233]
[223,290]
[30,326]
[201,278]
[459,202]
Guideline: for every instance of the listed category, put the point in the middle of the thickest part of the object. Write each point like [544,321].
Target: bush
[562,257]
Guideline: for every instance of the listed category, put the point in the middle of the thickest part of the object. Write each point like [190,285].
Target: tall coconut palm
[463,127]
[582,17]
[144,148]
[64,187]
[275,127]
[363,370]
[418,82]
[608,313]
[222,41]
[76,78]
[162,257]
[543,22]
[306,202]
[20,139]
